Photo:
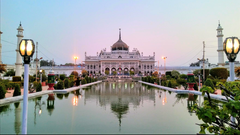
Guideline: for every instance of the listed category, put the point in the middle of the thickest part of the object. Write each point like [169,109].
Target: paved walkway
[10,92]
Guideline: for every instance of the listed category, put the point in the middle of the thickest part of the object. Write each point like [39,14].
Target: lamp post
[75,57]
[231,48]
[159,78]
[26,50]
[164,58]
[40,71]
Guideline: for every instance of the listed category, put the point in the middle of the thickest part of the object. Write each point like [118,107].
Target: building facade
[120,59]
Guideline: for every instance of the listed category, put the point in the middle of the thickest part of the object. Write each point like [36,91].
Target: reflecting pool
[117,107]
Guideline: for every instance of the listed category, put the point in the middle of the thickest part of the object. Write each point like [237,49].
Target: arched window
[119,56]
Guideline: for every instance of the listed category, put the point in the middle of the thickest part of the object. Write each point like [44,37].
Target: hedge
[219,73]
[16,78]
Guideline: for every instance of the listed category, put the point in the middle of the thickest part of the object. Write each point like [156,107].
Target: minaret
[19,62]
[0,48]
[220,45]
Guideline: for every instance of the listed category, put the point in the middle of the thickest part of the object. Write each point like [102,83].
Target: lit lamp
[26,50]
[231,48]
[75,57]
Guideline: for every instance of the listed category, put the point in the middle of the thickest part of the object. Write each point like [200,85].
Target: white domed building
[120,59]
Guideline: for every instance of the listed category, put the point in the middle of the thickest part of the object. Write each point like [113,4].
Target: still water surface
[105,108]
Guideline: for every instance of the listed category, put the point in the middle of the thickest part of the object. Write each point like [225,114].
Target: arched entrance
[120,71]
[126,72]
[107,71]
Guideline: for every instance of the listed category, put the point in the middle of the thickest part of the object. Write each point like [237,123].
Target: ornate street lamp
[231,48]
[26,50]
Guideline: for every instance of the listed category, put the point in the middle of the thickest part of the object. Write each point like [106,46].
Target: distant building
[120,59]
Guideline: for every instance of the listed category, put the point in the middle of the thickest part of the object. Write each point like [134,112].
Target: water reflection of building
[50,103]
[119,95]
[191,101]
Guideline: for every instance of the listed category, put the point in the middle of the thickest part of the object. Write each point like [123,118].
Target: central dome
[120,45]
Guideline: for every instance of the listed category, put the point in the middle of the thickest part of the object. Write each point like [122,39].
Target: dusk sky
[67,28]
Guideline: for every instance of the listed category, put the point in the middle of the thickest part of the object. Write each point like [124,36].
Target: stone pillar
[19,62]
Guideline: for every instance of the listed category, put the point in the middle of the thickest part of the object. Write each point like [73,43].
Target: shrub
[10,72]
[17,90]
[39,87]
[169,84]
[62,76]
[84,81]
[71,83]
[14,83]
[71,77]
[16,78]
[35,83]
[209,83]
[184,76]
[78,82]
[220,73]
[169,73]
[168,77]
[195,87]
[182,82]
[55,86]
[60,85]
[2,91]
[164,83]
[66,83]
[44,77]
[237,71]
[175,74]
[210,77]
[31,78]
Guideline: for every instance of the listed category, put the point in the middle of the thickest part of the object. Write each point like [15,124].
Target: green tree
[2,68]
[10,72]
[217,117]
